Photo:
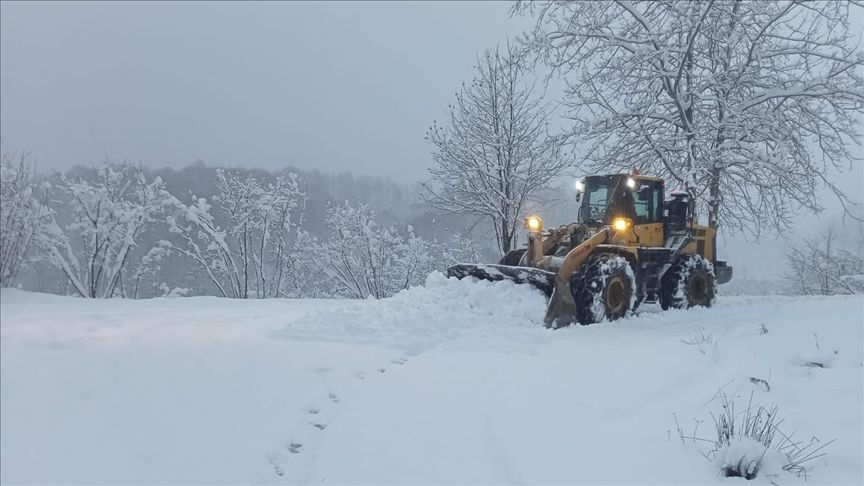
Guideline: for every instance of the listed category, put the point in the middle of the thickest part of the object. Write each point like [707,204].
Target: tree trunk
[714,202]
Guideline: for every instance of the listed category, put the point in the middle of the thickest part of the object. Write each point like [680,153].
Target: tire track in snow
[502,462]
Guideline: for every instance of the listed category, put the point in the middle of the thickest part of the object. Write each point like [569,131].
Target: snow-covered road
[452,383]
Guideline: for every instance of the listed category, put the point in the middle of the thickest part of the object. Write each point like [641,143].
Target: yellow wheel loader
[629,245]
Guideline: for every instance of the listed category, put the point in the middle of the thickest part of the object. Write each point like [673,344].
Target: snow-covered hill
[455,382]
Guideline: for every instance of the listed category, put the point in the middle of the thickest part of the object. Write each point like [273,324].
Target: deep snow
[456,382]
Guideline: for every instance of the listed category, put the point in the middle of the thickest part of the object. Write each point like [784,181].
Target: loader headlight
[621,224]
[580,186]
[534,223]
[631,183]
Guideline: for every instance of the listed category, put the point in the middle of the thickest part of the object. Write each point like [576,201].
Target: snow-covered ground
[452,383]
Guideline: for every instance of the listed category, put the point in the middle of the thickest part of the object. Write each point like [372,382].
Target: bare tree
[748,105]
[495,154]
[822,265]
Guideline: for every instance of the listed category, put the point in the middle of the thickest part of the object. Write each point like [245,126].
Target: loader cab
[604,198]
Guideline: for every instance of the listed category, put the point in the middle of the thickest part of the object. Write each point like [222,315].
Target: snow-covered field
[452,383]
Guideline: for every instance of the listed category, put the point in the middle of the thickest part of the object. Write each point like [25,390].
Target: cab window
[646,203]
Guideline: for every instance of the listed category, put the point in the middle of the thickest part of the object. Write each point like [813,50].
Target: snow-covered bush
[461,249]
[21,216]
[822,265]
[364,259]
[254,255]
[110,213]
[750,444]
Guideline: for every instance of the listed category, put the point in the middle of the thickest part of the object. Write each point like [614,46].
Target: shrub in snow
[255,254]
[750,443]
[461,249]
[110,213]
[363,259]
[702,337]
[21,217]
[822,265]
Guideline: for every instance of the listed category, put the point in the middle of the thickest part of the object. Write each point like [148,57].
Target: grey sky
[329,85]
[333,85]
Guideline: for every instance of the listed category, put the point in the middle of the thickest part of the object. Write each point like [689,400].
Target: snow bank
[463,314]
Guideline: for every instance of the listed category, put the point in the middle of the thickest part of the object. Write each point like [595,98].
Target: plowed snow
[456,382]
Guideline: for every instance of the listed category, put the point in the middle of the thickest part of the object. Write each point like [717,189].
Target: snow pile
[466,314]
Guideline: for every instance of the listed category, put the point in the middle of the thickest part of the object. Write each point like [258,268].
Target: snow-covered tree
[823,265]
[748,105]
[365,259]
[252,256]
[110,213]
[148,266]
[461,249]
[495,154]
[21,216]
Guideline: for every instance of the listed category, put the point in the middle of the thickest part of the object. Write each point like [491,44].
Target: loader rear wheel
[603,288]
[689,282]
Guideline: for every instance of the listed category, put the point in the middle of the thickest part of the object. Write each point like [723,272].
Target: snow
[452,382]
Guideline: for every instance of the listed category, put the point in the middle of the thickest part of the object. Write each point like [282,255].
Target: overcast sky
[329,85]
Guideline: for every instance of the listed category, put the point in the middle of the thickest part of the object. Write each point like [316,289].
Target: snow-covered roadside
[454,382]
[168,391]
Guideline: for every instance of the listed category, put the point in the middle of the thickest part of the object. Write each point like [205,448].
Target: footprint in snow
[275,461]
[294,447]
[318,426]
[399,361]
[360,375]
[313,411]
[334,398]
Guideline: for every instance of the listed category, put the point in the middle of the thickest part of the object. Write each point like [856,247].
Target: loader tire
[512,258]
[689,282]
[603,288]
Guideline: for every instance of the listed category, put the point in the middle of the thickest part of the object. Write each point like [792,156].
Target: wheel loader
[629,245]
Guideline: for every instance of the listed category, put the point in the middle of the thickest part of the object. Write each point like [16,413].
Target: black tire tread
[677,276]
[584,293]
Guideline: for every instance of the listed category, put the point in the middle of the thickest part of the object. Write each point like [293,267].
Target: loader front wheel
[689,282]
[603,288]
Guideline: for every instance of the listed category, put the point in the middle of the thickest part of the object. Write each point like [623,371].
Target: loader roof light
[631,183]
[534,223]
[621,224]
[580,186]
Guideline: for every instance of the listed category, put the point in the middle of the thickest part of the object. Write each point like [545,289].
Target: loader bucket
[561,311]
[540,279]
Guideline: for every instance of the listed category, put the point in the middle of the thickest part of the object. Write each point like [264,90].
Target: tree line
[117,230]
